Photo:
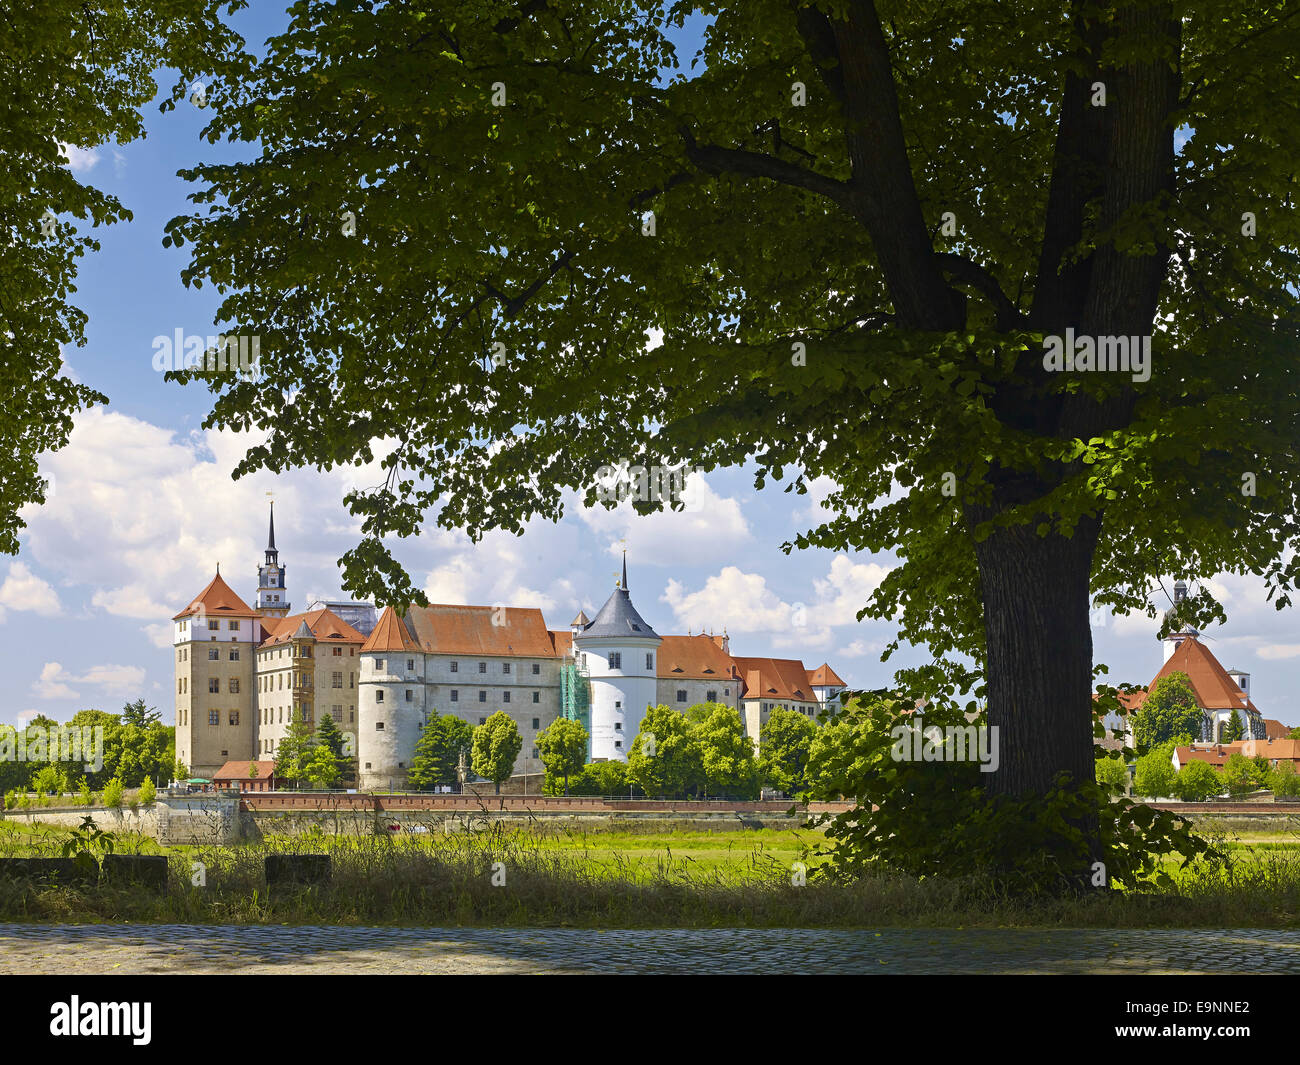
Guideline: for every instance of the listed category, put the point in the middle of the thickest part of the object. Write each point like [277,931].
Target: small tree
[1170,710]
[321,767]
[1112,774]
[1240,774]
[1197,781]
[181,771]
[1284,781]
[1154,775]
[785,743]
[563,747]
[252,770]
[664,759]
[84,795]
[292,752]
[113,793]
[727,762]
[1233,729]
[147,792]
[496,746]
[437,753]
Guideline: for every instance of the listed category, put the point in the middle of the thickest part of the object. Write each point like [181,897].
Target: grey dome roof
[618,617]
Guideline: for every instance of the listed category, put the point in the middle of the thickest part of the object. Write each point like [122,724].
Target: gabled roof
[824,676]
[1214,689]
[776,678]
[391,634]
[481,630]
[581,619]
[323,625]
[1275,730]
[1217,754]
[693,658]
[562,642]
[237,769]
[618,617]
[218,600]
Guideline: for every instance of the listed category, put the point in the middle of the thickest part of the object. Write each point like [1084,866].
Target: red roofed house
[240,775]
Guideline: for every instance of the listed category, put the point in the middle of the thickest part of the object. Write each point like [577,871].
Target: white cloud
[1274,651]
[79,159]
[130,601]
[56,682]
[742,602]
[23,590]
[847,588]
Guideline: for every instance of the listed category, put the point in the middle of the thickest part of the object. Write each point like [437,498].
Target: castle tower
[272,598]
[390,703]
[214,643]
[1176,637]
[618,650]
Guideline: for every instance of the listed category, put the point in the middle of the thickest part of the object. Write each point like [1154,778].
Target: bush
[1112,774]
[113,793]
[1154,775]
[1284,780]
[934,818]
[147,792]
[84,795]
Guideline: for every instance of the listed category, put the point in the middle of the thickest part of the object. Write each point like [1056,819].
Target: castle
[244,673]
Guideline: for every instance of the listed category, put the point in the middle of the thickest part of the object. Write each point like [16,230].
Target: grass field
[517,877]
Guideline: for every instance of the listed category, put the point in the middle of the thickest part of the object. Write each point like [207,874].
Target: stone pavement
[121,949]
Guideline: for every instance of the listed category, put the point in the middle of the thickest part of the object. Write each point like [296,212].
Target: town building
[244,674]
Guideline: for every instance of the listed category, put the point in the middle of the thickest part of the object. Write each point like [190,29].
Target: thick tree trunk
[1039,675]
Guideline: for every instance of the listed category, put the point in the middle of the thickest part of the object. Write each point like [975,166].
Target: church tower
[272,598]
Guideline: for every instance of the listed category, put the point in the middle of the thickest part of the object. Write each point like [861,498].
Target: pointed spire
[625,569]
[270,543]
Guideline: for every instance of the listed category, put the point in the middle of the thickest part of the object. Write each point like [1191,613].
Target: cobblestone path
[88,949]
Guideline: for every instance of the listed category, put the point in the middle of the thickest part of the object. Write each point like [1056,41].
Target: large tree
[74,78]
[1170,711]
[869,220]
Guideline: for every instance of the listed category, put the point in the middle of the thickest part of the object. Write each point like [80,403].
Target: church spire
[625,569]
[270,543]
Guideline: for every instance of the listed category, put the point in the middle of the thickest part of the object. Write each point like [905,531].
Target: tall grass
[436,879]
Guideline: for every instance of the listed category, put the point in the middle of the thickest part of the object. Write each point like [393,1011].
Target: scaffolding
[575,696]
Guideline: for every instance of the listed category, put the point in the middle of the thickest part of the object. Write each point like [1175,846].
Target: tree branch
[714,159]
[968,272]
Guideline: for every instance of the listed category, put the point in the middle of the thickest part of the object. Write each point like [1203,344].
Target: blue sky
[143,509]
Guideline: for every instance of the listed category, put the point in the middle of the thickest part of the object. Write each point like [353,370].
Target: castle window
[410,664]
[336,713]
[537,697]
[618,726]
[650,661]
[367,765]
[455,695]
[711,697]
[681,695]
[505,697]
[338,653]
[336,679]
[409,696]
[618,745]
[234,654]
[234,717]
[214,685]
[213,626]
[482,667]
[351,679]
[726,691]
[455,667]
[233,626]
[482,697]
[379,665]
[537,722]
[616,660]
[234,685]
[379,726]
[379,696]
[214,717]
[214,653]
[505,667]
[179,690]
[536,669]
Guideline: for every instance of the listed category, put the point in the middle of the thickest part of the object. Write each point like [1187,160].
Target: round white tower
[388,722]
[620,652]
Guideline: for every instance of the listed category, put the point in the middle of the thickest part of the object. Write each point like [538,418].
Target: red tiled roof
[562,642]
[1214,689]
[391,634]
[775,678]
[469,630]
[325,625]
[1217,754]
[824,676]
[694,658]
[218,600]
[238,770]
[1275,730]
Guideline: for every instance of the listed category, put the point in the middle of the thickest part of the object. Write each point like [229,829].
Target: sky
[143,508]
